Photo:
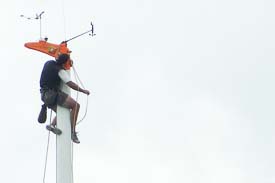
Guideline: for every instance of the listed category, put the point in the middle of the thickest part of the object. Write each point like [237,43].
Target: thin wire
[64,19]
[40,22]
[77,94]
[47,151]
[77,79]
[72,150]
[86,111]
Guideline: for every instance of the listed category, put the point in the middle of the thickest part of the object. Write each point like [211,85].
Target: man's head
[62,59]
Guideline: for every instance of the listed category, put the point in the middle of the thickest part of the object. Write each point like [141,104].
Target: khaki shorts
[53,98]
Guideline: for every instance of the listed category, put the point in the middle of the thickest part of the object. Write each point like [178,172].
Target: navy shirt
[49,77]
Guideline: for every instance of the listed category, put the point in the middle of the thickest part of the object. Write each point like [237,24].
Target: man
[52,74]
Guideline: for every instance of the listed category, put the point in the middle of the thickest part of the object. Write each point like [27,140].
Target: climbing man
[52,74]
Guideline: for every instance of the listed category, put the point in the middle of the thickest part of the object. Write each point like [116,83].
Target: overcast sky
[183,90]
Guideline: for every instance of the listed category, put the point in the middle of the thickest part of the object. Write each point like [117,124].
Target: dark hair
[62,58]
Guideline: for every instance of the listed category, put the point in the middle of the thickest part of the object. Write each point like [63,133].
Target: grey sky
[183,90]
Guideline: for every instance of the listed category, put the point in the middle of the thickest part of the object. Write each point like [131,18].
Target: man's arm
[66,79]
[74,86]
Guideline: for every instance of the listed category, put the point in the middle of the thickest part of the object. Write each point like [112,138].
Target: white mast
[64,164]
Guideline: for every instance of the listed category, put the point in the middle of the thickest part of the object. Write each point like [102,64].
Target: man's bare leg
[52,127]
[54,119]
[71,104]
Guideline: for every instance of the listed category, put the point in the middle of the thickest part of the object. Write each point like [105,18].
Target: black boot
[43,114]
[75,138]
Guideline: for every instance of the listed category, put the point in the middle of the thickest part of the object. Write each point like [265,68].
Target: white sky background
[184,90]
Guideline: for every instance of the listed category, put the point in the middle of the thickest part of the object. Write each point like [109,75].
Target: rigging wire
[47,151]
[64,19]
[37,17]
[78,80]
[72,145]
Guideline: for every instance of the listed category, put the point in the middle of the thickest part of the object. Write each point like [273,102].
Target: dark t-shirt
[49,77]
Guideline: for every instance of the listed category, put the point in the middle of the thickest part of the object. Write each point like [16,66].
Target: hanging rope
[47,151]
[78,80]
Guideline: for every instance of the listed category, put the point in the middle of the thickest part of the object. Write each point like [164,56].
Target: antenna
[40,17]
[91,34]
[37,17]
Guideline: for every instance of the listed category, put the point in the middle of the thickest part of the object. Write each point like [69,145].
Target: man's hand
[74,86]
[86,92]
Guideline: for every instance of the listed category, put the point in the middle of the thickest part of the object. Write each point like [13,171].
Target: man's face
[68,64]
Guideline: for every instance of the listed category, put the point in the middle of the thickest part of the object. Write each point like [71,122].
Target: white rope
[47,151]
[86,111]
[78,80]
[77,77]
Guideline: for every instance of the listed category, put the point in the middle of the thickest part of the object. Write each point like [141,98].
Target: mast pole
[64,164]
